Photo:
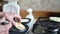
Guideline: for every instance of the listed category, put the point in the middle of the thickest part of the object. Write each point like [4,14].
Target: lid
[12,8]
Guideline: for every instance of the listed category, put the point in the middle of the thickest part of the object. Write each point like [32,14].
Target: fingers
[17,19]
[2,20]
[5,27]
[8,26]
[10,17]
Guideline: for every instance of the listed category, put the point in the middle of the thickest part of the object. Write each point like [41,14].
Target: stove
[46,26]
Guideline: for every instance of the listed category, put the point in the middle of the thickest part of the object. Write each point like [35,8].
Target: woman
[4,29]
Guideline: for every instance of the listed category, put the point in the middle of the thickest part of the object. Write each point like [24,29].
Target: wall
[36,13]
[42,8]
[51,5]
[39,13]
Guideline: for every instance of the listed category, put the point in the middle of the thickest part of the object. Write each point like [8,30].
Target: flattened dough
[20,26]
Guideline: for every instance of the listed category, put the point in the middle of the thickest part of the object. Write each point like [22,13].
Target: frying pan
[14,30]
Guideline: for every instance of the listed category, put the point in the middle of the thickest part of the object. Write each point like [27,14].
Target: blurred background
[41,8]
[51,5]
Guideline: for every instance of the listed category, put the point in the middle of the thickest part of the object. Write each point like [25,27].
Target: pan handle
[41,18]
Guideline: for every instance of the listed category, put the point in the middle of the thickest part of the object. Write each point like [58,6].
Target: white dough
[20,26]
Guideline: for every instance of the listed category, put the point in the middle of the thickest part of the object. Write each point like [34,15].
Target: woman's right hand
[10,16]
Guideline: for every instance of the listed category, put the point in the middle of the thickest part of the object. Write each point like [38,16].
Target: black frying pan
[14,30]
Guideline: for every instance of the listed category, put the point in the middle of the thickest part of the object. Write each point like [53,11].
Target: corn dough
[20,26]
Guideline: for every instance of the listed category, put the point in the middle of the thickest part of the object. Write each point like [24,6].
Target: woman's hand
[10,16]
[4,29]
